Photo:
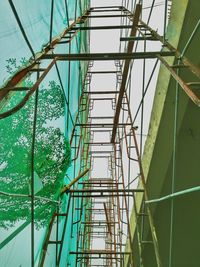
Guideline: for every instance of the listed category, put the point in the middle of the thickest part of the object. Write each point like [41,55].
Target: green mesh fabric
[52,155]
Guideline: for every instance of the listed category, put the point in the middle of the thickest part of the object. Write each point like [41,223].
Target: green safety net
[54,122]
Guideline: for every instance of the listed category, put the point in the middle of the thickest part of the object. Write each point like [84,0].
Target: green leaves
[52,153]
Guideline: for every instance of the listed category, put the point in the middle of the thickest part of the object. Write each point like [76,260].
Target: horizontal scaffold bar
[106,7]
[110,27]
[108,16]
[100,252]
[101,92]
[102,72]
[106,257]
[99,125]
[106,10]
[106,190]
[139,38]
[98,222]
[109,56]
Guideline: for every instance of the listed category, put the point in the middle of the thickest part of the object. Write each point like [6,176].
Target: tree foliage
[52,154]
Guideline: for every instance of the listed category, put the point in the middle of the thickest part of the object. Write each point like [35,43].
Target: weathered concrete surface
[157,158]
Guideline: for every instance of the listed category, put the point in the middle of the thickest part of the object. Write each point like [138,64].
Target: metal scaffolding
[106,143]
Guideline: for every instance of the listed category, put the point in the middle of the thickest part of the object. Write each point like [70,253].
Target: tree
[52,154]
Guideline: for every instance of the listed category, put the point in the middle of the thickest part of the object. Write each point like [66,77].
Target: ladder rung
[40,69]
[55,242]
[133,159]
[193,83]
[61,214]
[64,42]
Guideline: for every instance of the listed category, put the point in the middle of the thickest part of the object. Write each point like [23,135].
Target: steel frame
[110,196]
[13,85]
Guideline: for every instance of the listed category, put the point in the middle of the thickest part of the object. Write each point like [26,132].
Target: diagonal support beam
[107,219]
[67,187]
[125,71]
